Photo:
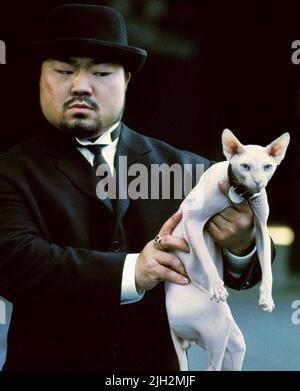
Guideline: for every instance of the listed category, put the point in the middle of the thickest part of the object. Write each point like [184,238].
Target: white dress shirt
[129,294]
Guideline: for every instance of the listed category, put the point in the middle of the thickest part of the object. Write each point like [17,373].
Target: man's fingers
[213,229]
[236,217]
[222,219]
[164,273]
[172,262]
[229,222]
[154,265]
[171,243]
[224,186]
[168,265]
[171,223]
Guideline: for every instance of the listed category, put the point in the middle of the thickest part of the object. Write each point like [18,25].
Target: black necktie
[104,173]
[96,149]
[99,160]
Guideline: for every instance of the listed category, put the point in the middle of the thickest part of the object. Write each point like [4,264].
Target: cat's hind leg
[214,326]
[181,345]
[235,350]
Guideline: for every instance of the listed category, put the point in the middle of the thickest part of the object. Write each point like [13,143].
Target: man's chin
[82,128]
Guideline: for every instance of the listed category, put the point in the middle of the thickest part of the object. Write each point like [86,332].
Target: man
[75,267]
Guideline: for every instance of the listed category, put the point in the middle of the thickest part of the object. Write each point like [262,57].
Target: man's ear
[231,145]
[127,78]
[278,147]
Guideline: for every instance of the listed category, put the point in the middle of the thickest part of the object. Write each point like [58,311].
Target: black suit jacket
[62,252]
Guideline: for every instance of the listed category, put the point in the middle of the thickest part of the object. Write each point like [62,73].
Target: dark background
[211,65]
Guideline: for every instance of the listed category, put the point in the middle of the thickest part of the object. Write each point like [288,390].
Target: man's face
[82,97]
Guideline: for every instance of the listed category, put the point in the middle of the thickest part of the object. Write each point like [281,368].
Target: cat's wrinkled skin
[199,311]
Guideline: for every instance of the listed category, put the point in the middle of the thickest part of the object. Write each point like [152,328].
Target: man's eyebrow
[75,62]
[70,61]
[66,60]
[99,62]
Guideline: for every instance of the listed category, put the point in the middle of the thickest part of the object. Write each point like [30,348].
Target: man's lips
[80,106]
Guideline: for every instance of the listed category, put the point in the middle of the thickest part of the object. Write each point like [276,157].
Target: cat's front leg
[217,290]
[264,253]
[200,266]
[260,208]
[265,297]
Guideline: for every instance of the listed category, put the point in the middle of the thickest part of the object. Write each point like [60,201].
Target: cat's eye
[245,167]
[268,167]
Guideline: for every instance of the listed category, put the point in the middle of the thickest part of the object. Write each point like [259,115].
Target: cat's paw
[265,299]
[217,291]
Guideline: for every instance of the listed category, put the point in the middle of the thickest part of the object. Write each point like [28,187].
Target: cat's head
[253,165]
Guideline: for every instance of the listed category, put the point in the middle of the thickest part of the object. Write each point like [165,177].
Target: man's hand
[155,265]
[233,228]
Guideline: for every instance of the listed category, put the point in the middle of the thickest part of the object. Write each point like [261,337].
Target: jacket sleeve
[33,269]
[250,277]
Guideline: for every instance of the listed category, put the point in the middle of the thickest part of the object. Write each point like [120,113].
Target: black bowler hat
[79,30]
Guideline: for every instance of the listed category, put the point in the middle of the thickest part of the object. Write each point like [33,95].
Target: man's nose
[81,85]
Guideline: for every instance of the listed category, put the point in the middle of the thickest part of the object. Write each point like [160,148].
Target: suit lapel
[82,175]
[131,150]
[73,165]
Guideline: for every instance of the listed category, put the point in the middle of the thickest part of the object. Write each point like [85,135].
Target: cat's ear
[278,147]
[231,145]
